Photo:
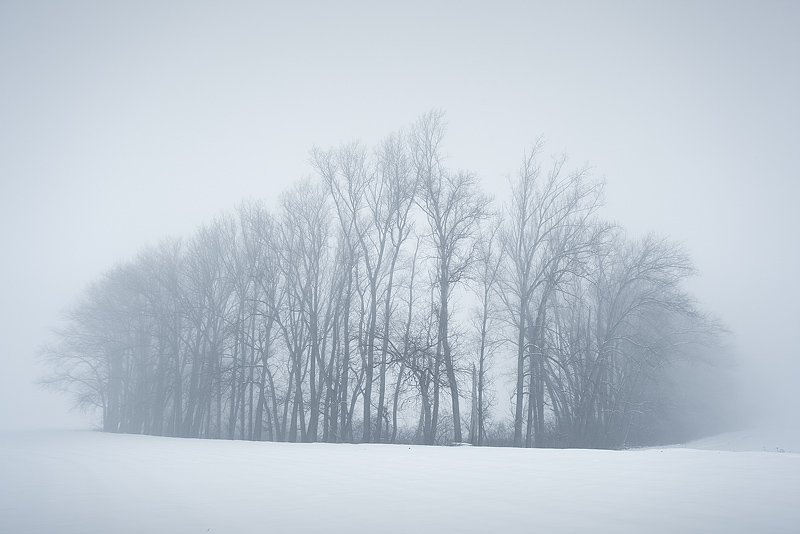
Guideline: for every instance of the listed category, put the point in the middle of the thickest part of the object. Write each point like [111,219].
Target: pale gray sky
[122,123]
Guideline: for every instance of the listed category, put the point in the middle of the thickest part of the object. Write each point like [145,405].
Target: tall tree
[454,206]
[544,237]
[292,327]
[304,266]
[399,186]
[485,318]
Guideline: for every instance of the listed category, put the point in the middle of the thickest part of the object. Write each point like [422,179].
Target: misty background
[123,124]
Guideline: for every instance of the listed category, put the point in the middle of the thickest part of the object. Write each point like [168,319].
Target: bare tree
[485,319]
[454,207]
[286,328]
[345,173]
[399,186]
[304,254]
[545,237]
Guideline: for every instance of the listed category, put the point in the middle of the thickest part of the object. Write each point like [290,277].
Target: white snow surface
[765,439]
[85,481]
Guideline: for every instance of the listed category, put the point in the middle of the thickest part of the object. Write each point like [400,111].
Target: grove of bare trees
[389,299]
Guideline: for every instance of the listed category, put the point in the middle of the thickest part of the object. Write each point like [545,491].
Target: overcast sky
[123,123]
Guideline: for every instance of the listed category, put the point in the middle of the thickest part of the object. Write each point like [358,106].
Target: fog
[123,124]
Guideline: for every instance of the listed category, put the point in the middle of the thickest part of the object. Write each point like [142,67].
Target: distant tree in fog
[454,206]
[338,317]
[548,236]
[486,320]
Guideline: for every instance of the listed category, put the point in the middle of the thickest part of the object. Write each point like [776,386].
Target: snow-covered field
[83,482]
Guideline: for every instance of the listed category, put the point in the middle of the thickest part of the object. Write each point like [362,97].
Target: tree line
[386,299]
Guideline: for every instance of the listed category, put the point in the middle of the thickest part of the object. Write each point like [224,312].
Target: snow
[84,481]
[767,439]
